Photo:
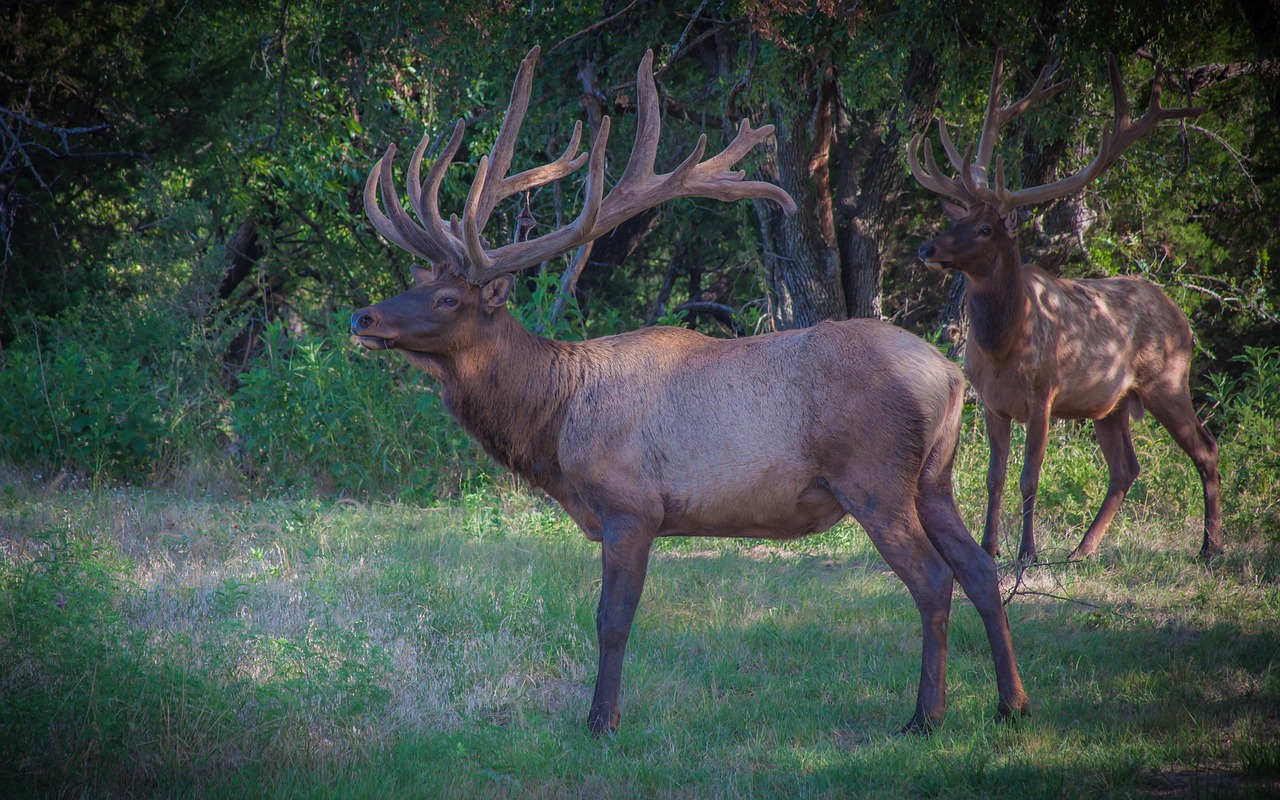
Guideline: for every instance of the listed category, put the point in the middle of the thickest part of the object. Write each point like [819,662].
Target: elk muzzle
[928,253]
[362,322]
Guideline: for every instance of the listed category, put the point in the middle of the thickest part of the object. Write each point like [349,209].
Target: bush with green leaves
[315,412]
[1247,412]
[79,408]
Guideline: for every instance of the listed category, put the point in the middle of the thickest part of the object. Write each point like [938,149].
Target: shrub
[1247,411]
[79,409]
[315,412]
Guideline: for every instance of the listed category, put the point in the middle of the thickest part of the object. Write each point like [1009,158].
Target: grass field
[165,643]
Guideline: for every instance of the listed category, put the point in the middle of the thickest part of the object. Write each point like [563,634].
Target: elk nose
[926,251]
[360,321]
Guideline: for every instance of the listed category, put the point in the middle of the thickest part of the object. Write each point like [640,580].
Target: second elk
[1042,347]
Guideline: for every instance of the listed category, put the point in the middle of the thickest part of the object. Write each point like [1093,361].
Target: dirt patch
[1209,783]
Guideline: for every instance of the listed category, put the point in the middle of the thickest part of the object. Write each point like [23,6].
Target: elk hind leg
[1122,462]
[976,572]
[1171,405]
[896,532]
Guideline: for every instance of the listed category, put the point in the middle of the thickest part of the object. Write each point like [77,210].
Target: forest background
[183,236]
[240,557]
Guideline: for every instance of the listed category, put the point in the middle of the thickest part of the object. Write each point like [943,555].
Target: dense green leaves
[197,167]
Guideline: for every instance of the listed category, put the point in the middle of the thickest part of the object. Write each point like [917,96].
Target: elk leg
[998,434]
[1029,484]
[976,572]
[896,532]
[1172,407]
[624,557]
[1122,462]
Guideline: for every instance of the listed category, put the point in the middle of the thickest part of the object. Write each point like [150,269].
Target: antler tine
[991,121]
[637,189]
[379,220]
[648,126]
[1126,130]
[996,118]
[1065,186]
[511,258]
[932,178]
[492,185]
[1037,93]
[397,226]
[429,191]
[505,144]
[1117,135]
[721,183]
[568,162]
[953,155]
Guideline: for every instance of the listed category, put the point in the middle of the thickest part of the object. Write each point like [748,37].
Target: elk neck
[997,300]
[509,390]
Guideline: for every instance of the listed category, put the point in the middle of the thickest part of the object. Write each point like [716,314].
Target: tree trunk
[872,173]
[802,273]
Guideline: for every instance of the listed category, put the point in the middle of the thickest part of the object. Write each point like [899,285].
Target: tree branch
[593,27]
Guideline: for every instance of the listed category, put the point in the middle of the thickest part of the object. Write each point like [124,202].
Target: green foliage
[121,697]
[79,409]
[1247,412]
[534,303]
[313,412]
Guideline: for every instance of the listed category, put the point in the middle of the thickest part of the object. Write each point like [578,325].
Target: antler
[974,184]
[977,172]
[461,245]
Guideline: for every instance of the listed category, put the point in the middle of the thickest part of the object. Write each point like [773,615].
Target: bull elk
[663,431]
[1044,347]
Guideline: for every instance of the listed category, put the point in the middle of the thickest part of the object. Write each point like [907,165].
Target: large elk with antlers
[663,431]
[1043,347]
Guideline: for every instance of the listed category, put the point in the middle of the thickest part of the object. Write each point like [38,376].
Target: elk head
[986,220]
[469,281]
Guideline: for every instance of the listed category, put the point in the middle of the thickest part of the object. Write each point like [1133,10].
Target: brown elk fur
[663,431]
[1043,347]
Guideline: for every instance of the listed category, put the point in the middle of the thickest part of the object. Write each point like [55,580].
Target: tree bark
[869,197]
[802,273]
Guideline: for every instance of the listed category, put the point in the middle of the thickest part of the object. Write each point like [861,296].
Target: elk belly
[773,507]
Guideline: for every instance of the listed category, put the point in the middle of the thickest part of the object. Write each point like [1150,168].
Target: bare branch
[593,27]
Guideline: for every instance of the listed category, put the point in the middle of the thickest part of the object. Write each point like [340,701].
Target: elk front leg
[625,560]
[998,438]
[1037,441]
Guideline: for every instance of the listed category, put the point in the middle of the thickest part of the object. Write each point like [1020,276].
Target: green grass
[157,643]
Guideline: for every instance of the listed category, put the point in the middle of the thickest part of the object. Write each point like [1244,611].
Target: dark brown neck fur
[998,302]
[509,391]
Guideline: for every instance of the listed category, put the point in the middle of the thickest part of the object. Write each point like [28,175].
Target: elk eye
[986,231]
[448,301]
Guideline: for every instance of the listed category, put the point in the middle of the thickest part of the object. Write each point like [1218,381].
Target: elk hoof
[1080,554]
[918,726]
[1010,715]
[599,724]
[1210,552]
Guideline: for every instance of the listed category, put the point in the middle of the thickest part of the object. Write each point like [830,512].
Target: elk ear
[495,292]
[1010,221]
[423,275]
[954,211]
